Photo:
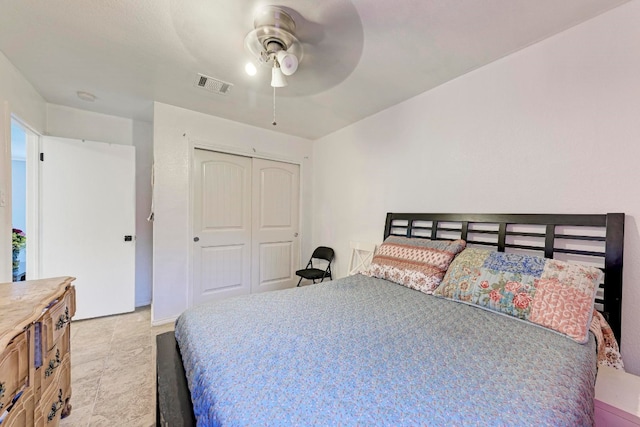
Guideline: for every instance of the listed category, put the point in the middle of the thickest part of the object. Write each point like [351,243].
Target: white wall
[175,131]
[143,141]
[19,98]
[67,122]
[70,122]
[554,128]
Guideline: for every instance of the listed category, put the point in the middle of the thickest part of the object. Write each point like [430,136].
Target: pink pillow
[415,263]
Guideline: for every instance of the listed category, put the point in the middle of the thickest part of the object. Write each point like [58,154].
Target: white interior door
[221,226]
[276,195]
[87,209]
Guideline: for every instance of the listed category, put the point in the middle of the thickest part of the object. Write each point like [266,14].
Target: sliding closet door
[221,225]
[275,194]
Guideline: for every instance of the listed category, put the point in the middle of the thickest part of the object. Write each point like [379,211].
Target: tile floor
[113,371]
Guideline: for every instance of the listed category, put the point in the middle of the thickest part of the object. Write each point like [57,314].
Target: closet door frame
[253,153]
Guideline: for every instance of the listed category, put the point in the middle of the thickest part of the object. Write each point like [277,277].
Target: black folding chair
[311,273]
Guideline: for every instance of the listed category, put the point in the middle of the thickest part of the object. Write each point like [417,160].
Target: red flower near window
[495,295]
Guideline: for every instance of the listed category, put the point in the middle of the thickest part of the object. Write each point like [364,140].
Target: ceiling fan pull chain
[274,107]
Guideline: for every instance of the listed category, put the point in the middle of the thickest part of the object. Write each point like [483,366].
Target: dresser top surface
[23,302]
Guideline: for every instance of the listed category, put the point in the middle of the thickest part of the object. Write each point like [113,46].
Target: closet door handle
[196,239]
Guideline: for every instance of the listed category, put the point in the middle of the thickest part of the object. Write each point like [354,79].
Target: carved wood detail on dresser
[35,358]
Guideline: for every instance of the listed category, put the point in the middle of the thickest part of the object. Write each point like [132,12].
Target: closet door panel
[221,226]
[275,201]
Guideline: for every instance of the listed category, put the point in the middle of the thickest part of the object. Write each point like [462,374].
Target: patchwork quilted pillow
[415,263]
[554,294]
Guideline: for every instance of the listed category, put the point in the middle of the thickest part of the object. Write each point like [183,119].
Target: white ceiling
[360,56]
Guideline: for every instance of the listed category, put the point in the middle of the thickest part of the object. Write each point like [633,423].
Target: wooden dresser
[35,364]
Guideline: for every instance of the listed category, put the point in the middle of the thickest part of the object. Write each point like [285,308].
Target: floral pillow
[415,263]
[550,293]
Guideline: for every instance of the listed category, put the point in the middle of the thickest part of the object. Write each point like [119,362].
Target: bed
[367,351]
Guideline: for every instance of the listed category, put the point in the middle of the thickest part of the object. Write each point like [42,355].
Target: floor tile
[79,417]
[84,393]
[100,333]
[131,402]
[98,323]
[91,369]
[89,352]
[140,315]
[131,343]
[121,334]
[113,371]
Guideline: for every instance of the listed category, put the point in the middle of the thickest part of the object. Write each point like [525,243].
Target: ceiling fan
[273,43]
[314,46]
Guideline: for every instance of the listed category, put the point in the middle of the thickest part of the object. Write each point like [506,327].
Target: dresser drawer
[53,360]
[50,408]
[54,401]
[14,369]
[56,319]
[21,413]
[35,359]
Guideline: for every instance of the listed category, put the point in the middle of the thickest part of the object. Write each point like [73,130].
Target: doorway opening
[24,201]
[19,200]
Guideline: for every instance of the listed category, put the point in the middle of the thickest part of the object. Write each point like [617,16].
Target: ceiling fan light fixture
[272,42]
[273,32]
[288,62]
[250,69]
[277,78]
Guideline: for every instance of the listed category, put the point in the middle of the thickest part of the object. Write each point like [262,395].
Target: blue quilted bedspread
[364,351]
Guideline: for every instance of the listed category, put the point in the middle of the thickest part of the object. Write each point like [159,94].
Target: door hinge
[42,157]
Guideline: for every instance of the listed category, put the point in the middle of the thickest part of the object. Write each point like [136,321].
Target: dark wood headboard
[596,240]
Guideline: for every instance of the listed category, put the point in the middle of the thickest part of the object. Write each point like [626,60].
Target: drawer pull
[63,320]
[2,390]
[53,364]
[55,407]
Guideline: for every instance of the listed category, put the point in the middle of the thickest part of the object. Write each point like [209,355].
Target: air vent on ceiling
[213,85]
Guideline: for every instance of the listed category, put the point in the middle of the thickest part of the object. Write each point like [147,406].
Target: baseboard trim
[163,321]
